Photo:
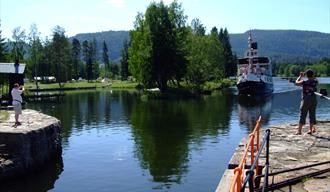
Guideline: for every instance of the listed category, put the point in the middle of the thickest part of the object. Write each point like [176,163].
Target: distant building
[11,73]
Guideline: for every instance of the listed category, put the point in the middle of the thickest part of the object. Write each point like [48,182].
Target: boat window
[243,61]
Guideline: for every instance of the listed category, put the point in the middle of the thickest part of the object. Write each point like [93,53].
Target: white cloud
[116,3]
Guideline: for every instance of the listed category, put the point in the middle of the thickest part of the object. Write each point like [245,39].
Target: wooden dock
[43,96]
[61,89]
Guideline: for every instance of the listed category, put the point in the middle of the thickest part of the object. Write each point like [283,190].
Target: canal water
[114,141]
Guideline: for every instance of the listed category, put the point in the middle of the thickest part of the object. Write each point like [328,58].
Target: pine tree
[214,30]
[36,51]
[95,64]
[61,55]
[76,54]
[88,55]
[18,44]
[114,69]
[2,47]
[106,59]
[85,51]
[124,61]
[46,67]
[230,61]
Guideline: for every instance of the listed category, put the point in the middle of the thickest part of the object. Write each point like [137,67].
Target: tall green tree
[162,38]
[153,59]
[214,30]
[61,55]
[3,48]
[181,31]
[197,27]
[114,70]
[95,64]
[105,57]
[46,61]
[18,44]
[36,51]
[85,51]
[230,59]
[124,60]
[89,51]
[206,59]
[76,55]
[198,68]
[139,62]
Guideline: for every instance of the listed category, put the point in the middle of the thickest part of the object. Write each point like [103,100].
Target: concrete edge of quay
[287,151]
[28,147]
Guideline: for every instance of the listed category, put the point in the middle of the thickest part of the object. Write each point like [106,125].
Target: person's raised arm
[21,89]
[299,81]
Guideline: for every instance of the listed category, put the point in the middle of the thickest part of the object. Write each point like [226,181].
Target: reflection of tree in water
[78,109]
[42,180]
[161,135]
[163,130]
[250,108]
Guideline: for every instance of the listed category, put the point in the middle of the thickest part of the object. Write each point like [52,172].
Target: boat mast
[249,52]
[252,51]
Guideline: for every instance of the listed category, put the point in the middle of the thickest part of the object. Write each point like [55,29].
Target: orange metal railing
[250,147]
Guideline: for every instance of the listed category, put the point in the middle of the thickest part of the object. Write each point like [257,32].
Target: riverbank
[82,85]
[118,84]
[27,147]
[184,91]
[187,91]
[289,151]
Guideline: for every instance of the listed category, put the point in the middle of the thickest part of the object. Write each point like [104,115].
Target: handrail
[238,171]
[295,180]
[250,173]
[294,169]
[290,181]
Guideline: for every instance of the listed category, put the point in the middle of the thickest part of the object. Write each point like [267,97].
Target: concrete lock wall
[25,151]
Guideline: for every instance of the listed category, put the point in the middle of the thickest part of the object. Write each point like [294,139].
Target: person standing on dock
[16,94]
[308,101]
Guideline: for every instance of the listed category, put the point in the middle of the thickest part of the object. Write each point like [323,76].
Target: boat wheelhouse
[254,72]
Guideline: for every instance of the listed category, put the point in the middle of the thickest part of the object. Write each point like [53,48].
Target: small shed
[11,73]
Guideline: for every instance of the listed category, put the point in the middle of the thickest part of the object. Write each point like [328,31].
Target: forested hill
[280,45]
[113,39]
[285,45]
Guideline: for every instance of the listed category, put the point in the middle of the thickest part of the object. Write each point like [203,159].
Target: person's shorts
[17,108]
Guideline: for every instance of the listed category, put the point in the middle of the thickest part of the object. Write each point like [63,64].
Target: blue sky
[81,16]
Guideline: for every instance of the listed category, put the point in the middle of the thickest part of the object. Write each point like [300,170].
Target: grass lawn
[118,84]
[81,84]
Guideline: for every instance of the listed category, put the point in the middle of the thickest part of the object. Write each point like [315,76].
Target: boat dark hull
[255,88]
